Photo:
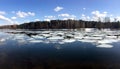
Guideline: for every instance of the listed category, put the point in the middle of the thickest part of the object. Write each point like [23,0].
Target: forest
[63,24]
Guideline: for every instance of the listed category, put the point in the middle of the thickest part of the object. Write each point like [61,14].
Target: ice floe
[107,41]
[55,38]
[105,46]
[35,41]
[88,41]
[111,37]
[2,40]
[89,35]
[69,40]
[37,36]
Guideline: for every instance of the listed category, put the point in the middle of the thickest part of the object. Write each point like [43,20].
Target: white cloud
[2,13]
[46,19]
[16,22]
[67,16]
[118,18]
[13,18]
[64,15]
[24,14]
[98,16]
[21,14]
[112,19]
[58,8]
[50,17]
[72,18]
[7,20]
[105,12]
[31,13]
[111,15]
[84,17]
[84,8]
[37,19]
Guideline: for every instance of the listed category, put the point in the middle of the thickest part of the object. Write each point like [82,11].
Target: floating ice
[111,37]
[46,35]
[38,37]
[60,33]
[19,36]
[98,35]
[69,40]
[88,41]
[61,42]
[92,38]
[55,38]
[2,40]
[89,29]
[45,32]
[107,41]
[105,46]
[36,41]
[78,37]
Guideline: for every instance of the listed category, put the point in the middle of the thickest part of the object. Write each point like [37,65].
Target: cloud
[31,13]
[84,8]
[105,12]
[84,17]
[6,19]
[2,13]
[16,22]
[64,15]
[67,16]
[117,18]
[111,15]
[58,8]
[37,19]
[97,15]
[24,14]
[48,18]
[13,18]
[112,19]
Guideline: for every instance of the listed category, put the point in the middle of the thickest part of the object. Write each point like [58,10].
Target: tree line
[63,24]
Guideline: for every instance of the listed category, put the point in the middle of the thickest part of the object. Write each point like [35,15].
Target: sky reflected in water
[84,48]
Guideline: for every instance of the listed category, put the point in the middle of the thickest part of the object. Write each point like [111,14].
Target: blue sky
[20,11]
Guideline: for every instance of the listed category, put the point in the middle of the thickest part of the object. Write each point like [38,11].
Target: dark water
[20,51]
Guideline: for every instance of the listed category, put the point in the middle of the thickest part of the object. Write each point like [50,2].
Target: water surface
[63,49]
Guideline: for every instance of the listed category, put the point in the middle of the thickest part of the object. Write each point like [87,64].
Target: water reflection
[66,49]
[100,38]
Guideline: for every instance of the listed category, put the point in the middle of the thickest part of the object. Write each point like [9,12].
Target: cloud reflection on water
[100,38]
